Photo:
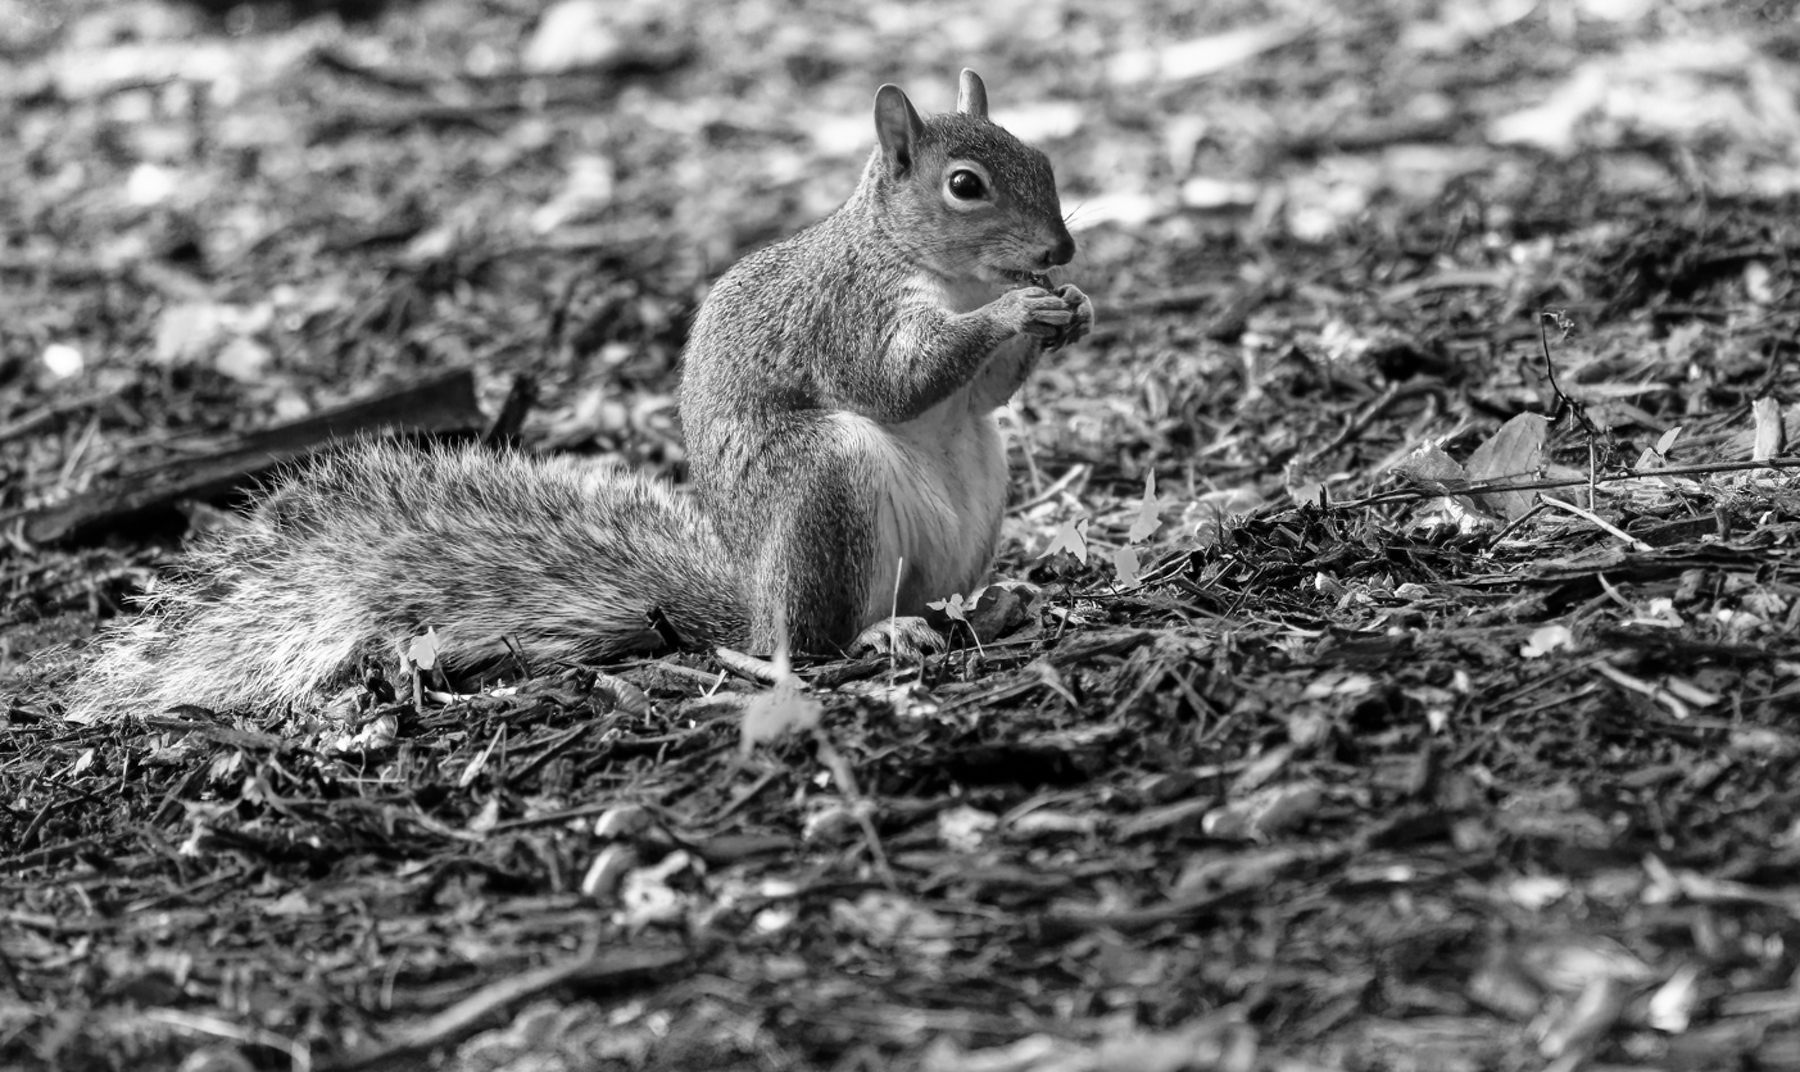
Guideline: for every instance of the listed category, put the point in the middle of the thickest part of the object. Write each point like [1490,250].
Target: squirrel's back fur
[375,543]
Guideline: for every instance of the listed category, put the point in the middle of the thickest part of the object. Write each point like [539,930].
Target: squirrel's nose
[1061,253]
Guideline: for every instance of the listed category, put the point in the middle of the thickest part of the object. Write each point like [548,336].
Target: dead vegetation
[1409,681]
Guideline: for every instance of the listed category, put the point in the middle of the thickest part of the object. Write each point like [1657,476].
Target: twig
[1565,404]
[467,1016]
[37,418]
[1632,541]
[298,1053]
[1076,472]
[747,666]
[439,406]
[1400,495]
[1679,697]
[860,806]
[1361,421]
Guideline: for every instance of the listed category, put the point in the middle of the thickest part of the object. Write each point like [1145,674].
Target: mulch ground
[1411,676]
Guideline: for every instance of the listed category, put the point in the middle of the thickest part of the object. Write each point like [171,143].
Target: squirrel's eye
[965,185]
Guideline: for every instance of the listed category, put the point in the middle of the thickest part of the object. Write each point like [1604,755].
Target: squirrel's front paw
[1081,318]
[1034,311]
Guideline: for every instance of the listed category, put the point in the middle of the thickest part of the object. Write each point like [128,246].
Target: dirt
[1406,675]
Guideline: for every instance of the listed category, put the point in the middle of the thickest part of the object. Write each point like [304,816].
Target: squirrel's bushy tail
[376,543]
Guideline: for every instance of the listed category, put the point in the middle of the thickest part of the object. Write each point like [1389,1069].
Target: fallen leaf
[1766,412]
[1071,536]
[1265,812]
[1125,563]
[768,715]
[422,651]
[1546,639]
[1184,61]
[62,360]
[1512,454]
[1147,521]
[1671,1008]
[965,828]
[1430,468]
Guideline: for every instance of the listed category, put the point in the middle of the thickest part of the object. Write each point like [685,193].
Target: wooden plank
[442,406]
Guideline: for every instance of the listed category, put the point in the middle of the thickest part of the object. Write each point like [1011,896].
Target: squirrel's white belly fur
[942,489]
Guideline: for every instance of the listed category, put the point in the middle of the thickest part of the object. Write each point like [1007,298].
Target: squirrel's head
[963,196]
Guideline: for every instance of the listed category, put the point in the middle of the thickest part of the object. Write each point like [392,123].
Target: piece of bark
[442,406]
[506,427]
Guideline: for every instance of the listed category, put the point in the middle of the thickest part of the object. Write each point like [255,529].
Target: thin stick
[1632,541]
[894,630]
[1399,495]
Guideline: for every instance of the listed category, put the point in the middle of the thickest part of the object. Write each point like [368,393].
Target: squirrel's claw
[904,637]
[1081,318]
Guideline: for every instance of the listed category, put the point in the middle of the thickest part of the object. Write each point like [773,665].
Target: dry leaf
[1071,536]
[646,897]
[1303,482]
[965,828]
[1671,1008]
[62,360]
[1265,812]
[770,714]
[1546,639]
[1184,61]
[1125,563]
[1147,521]
[785,706]
[995,610]
[951,607]
[1657,457]
[1430,468]
[608,870]
[1513,454]
[1766,412]
[1584,1022]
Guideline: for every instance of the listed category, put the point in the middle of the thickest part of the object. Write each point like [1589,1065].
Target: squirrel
[838,400]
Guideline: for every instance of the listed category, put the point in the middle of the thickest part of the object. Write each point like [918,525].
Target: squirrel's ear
[971,95]
[898,126]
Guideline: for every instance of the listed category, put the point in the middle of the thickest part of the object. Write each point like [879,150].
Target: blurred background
[219,215]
